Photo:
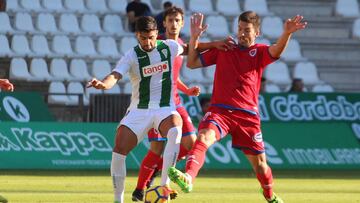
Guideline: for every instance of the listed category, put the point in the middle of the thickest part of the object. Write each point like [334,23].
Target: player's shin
[118,174]
[266,181]
[171,152]
[196,159]
[147,168]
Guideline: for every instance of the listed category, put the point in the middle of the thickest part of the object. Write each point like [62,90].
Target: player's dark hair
[145,24]
[174,11]
[167,4]
[250,17]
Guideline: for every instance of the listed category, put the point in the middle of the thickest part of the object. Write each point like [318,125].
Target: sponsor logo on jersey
[252,52]
[153,69]
[257,137]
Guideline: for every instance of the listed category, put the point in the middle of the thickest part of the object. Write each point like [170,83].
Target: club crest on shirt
[164,52]
[257,137]
[153,69]
[252,52]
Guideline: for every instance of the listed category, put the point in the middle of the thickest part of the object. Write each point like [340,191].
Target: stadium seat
[23,22]
[278,73]
[74,88]
[107,47]
[347,8]
[5,47]
[89,92]
[259,6]
[5,27]
[100,69]
[127,43]
[13,6]
[59,70]
[114,90]
[230,8]
[97,6]
[204,39]
[127,89]
[203,6]
[20,46]
[152,8]
[53,5]
[118,6]
[261,40]
[324,88]
[307,71]
[356,28]
[177,3]
[39,46]
[113,25]
[90,24]
[46,23]
[57,88]
[192,75]
[68,23]
[61,45]
[33,5]
[209,72]
[39,70]
[79,70]
[84,46]
[209,89]
[272,88]
[235,24]
[272,27]
[186,29]
[292,51]
[218,27]
[75,5]
[19,70]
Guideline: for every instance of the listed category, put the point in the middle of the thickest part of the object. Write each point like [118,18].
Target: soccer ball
[157,194]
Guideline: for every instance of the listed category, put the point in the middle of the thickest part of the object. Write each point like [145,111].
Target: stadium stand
[87,37]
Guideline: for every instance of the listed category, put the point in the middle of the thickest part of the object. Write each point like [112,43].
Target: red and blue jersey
[237,76]
[177,64]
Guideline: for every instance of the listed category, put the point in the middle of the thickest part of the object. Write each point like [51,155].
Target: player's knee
[261,167]
[207,138]
[157,147]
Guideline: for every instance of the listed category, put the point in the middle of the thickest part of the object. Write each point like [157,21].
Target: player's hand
[97,84]
[226,44]
[196,25]
[294,24]
[6,85]
[193,91]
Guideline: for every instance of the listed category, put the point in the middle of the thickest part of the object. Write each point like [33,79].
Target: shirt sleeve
[175,47]
[266,57]
[124,64]
[209,57]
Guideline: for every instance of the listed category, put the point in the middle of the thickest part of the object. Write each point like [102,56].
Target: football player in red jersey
[234,100]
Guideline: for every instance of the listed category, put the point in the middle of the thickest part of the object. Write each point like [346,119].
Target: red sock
[183,152]
[147,168]
[266,181]
[196,159]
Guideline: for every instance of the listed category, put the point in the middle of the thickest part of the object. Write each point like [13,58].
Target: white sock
[171,152]
[118,174]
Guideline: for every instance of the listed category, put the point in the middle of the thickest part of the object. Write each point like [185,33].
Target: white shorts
[140,121]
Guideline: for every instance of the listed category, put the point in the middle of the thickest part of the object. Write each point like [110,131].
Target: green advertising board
[23,107]
[48,145]
[303,107]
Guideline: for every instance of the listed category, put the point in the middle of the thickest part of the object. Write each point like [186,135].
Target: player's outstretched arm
[107,83]
[196,29]
[190,91]
[6,85]
[290,26]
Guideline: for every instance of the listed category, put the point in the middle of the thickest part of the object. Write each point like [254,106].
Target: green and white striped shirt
[151,74]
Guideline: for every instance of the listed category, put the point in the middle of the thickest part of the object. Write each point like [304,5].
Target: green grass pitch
[224,187]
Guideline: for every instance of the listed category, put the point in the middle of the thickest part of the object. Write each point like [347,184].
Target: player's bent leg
[171,128]
[264,175]
[125,141]
[147,169]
